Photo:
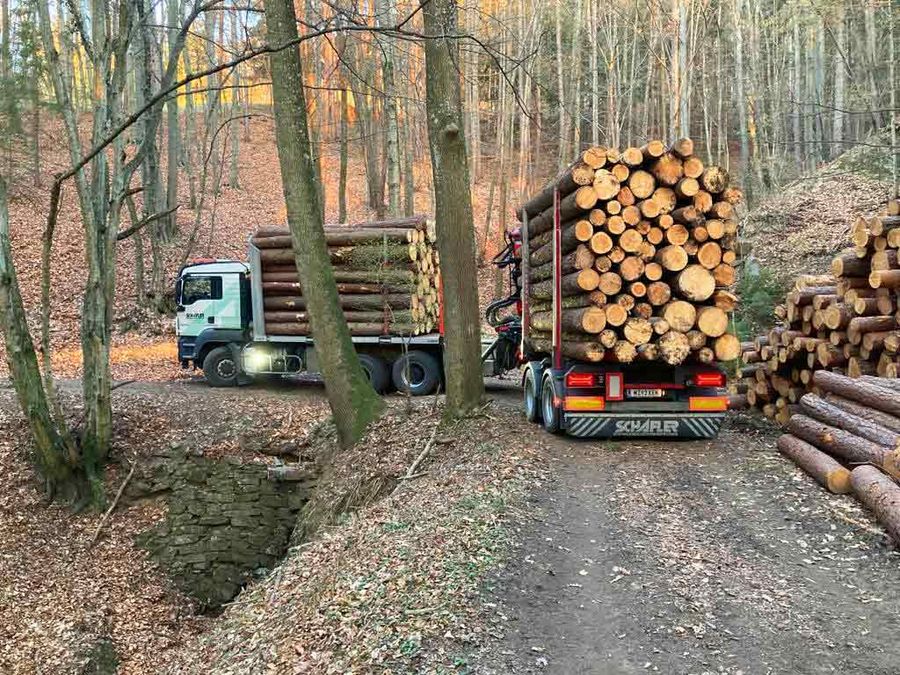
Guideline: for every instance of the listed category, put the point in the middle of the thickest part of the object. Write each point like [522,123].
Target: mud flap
[659,425]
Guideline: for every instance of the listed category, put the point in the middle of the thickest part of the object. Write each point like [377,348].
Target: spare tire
[416,373]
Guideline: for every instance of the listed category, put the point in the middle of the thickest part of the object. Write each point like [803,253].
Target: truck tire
[549,412]
[416,373]
[220,368]
[532,400]
[377,372]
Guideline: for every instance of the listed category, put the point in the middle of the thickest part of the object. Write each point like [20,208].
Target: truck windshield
[196,287]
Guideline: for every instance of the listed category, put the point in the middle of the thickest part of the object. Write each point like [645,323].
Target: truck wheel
[532,402]
[416,373]
[220,368]
[549,411]
[376,371]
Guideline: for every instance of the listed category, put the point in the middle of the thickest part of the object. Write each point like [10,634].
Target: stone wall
[226,522]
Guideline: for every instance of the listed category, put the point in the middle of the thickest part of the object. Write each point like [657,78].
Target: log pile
[648,251]
[847,437]
[387,275]
[845,322]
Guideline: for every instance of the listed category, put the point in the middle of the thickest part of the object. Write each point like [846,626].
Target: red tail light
[709,380]
[580,380]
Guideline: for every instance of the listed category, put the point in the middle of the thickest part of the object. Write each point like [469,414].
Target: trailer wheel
[416,373]
[376,371]
[549,411]
[532,400]
[220,368]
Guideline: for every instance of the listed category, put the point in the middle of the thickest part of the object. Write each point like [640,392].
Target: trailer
[610,399]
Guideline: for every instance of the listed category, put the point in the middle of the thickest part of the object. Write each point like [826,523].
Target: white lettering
[646,428]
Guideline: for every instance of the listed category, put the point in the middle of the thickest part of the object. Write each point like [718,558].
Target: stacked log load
[387,274]
[846,322]
[648,244]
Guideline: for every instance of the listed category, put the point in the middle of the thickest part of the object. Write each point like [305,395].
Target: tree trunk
[453,210]
[353,401]
[385,11]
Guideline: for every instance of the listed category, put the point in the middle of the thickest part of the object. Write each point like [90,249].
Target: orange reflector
[583,403]
[714,379]
[708,403]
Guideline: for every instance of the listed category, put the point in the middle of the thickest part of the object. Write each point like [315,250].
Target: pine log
[856,390]
[570,179]
[589,320]
[714,179]
[354,302]
[367,256]
[885,279]
[362,329]
[624,351]
[673,347]
[417,222]
[865,324]
[672,258]
[837,442]
[668,169]
[828,413]
[680,315]
[727,347]
[616,314]
[571,284]
[638,331]
[826,471]
[881,495]
[695,283]
[583,351]
[579,259]
[712,321]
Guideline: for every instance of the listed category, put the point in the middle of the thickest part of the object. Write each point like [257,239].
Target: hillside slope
[799,228]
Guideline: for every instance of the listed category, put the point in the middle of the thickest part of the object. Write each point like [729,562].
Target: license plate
[643,393]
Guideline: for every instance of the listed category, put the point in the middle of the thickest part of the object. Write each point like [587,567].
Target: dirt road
[696,557]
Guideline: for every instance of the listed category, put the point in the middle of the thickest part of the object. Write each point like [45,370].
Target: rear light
[708,403]
[584,403]
[580,380]
[709,379]
[518,308]
[615,387]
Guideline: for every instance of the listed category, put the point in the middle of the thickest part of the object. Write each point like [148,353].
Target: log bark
[837,442]
[590,320]
[695,283]
[826,412]
[583,351]
[574,176]
[861,392]
[880,494]
[826,471]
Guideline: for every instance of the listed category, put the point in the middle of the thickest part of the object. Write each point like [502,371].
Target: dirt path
[691,558]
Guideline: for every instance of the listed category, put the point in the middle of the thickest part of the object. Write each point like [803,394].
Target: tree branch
[141,224]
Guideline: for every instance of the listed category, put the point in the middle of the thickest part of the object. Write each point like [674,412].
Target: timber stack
[648,251]
[387,274]
[845,322]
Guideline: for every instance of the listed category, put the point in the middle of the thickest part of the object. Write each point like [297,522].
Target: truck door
[208,301]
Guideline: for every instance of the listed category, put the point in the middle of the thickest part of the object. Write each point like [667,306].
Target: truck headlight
[256,361]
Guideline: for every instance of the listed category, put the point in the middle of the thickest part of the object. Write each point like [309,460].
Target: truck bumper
[644,425]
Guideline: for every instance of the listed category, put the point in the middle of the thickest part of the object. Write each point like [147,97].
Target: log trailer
[608,399]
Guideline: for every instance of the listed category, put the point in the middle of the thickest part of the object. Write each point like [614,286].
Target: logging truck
[619,338]
[221,328]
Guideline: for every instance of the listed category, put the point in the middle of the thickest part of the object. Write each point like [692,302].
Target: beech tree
[353,401]
[452,208]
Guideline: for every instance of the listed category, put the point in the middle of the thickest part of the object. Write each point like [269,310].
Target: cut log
[577,175]
[583,351]
[672,258]
[667,200]
[709,255]
[653,149]
[579,259]
[638,331]
[826,471]
[590,320]
[836,442]
[624,352]
[695,283]
[856,390]
[673,347]
[680,315]
[714,179]
[606,185]
[820,409]
[658,293]
[668,169]
[616,314]
[354,302]
[631,268]
[881,495]
[727,347]
[571,284]
[642,184]
[712,321]
[878,417]
[885,279]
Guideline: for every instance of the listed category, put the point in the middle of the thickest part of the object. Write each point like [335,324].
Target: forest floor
[518,552]
[700,557]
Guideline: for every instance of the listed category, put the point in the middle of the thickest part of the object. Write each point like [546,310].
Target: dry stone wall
[226,521]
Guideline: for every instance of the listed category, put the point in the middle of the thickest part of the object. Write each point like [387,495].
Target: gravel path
[694,557]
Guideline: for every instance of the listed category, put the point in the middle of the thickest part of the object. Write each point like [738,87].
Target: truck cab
[213,312]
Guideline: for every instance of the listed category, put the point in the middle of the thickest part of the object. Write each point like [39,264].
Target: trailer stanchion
[557,283]
[526,282]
